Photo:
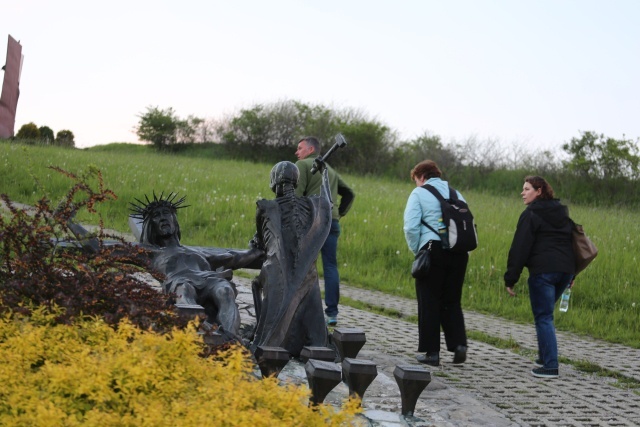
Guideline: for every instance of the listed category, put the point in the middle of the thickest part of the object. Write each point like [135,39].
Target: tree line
[591,168]
[30,133]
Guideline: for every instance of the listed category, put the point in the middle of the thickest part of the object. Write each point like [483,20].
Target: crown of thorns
[142,210]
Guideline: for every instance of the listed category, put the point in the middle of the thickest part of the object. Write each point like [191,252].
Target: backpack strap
[428,226]
[452,192]
[437,194]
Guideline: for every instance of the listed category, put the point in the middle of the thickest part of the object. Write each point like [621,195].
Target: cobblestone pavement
[494,387]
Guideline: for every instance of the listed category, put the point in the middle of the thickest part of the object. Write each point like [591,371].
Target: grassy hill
[372,251]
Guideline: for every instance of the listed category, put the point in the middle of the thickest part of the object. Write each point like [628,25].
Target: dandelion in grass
[364,220]
[344,265]
[633,304]
[397,252]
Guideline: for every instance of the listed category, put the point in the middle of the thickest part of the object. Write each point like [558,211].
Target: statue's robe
[292,231]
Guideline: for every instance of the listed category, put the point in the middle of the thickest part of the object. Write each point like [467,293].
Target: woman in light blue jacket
[439,294]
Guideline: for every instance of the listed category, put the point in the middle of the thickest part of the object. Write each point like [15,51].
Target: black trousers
[439,298]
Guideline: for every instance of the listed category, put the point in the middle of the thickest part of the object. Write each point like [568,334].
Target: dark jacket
[309,185]
[542,241]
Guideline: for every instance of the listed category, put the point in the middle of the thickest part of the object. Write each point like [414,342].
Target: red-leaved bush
[43,264]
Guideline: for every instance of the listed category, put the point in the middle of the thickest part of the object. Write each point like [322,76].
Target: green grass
[373,254]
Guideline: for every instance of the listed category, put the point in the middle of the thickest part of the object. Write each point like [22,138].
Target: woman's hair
[538,182]
[427,169]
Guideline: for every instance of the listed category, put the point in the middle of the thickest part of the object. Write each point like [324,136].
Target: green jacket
[309,185]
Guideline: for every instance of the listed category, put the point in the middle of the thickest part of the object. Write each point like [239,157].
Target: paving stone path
[494,387]
[502,379]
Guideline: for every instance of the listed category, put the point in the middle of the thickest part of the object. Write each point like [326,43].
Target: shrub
[158,127]
[29,131]
[65,138]
[46,134]
[92,375]
[36,271]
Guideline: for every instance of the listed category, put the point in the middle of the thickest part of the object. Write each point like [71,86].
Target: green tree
[65,138]
[158,127]
[370,147]
[187,130]
[425,146]
[28,131]
[278,125]
[598,156]
[271,132]
[46,134]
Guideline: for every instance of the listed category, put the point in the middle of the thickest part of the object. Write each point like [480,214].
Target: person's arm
[520,249]
[412,222]
[303,179]
[346,197]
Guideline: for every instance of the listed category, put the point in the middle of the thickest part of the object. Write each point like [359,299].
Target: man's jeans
[329,253]
[544,290]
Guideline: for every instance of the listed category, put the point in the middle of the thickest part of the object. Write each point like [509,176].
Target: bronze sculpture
[196,275]
[291,231]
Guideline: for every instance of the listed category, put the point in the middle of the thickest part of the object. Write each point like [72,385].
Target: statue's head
[284,174]
[159,218]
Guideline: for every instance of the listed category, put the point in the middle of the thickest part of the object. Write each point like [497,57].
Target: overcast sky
[535,72]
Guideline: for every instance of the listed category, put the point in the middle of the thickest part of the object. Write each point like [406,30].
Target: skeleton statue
[291,230]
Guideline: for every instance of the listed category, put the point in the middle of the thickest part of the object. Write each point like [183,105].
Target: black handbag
[420,266]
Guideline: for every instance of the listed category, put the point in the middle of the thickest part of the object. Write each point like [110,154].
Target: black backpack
[460,235]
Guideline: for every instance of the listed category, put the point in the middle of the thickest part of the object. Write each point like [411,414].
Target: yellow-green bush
[92,375]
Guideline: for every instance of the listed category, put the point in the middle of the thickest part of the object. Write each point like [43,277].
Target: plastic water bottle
[442,232]
[564,300]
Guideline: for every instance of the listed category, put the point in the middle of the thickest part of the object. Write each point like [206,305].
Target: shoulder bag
[422,263]
[583,248]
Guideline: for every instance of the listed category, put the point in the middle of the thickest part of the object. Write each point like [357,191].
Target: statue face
[163,222]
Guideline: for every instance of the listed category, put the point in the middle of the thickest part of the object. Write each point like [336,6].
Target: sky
[532,73]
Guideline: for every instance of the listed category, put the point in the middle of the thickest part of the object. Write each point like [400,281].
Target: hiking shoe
[432,359]
[332,321]
[538,363]
[545,372]
[460,355]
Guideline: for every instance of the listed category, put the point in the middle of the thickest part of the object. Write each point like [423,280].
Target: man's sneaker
[332,321]
[538,363]
[545,373]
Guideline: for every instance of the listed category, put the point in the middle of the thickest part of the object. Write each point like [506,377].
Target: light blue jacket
[422,205]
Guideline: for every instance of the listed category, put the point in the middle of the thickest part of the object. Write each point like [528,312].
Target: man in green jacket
[309,185]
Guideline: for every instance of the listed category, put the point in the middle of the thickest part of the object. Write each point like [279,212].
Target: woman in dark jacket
[542,243]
